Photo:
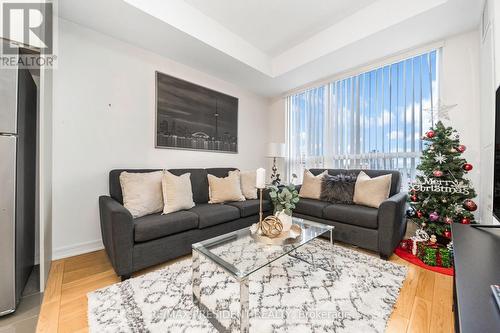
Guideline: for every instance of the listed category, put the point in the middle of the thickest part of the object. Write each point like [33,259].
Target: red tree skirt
[416,261]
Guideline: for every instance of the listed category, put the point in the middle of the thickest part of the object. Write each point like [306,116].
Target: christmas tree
[441,195]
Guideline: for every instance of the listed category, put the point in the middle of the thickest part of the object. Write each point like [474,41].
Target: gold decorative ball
[271,226]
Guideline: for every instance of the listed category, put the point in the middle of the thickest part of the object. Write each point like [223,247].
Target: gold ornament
[271,226]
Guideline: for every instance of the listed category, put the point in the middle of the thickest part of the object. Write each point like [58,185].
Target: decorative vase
[285,219]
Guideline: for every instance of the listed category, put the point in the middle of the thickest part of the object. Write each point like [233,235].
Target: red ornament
[467,167]
[447,234]
[437,173]
[461,148]
[414,198]
[430,134]
[470,205]
[465,220]
[419,214]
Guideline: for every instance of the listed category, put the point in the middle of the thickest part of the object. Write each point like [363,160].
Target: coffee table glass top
[240,254]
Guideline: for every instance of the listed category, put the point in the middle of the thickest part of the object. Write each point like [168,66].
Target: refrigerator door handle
[8,145]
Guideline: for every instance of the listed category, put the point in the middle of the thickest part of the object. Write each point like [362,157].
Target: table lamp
[274,151]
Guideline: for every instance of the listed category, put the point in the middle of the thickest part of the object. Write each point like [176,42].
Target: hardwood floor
[424,304]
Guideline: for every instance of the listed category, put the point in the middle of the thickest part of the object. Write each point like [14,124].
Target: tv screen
[496,178]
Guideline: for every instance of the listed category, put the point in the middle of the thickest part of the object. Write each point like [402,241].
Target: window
[374,120]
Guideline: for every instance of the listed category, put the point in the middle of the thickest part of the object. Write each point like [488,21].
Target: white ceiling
[273,26]
[216,36]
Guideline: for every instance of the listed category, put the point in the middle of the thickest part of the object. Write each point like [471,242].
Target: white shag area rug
[346,291]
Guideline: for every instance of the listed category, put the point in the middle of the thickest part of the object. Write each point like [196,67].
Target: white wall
[277,126]
[104,119]
[459,85]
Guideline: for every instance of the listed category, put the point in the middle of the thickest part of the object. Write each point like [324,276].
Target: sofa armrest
[391,223]
[117,230]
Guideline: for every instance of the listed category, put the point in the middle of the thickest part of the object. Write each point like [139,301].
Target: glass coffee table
[240,255]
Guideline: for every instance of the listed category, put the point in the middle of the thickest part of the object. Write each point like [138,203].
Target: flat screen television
[496,178]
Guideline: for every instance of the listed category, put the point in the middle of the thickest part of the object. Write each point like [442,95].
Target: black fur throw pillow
[338,189]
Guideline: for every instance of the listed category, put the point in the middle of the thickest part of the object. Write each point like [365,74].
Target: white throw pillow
[247,182]
[177,192]
[311,185]
[225,189]
[142,192]
[371,192]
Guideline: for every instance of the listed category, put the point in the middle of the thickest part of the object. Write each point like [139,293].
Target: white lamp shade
[275,149]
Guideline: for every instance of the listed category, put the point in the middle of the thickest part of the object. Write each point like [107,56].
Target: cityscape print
[189,116]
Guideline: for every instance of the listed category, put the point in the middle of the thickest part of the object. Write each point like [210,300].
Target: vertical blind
[374,120]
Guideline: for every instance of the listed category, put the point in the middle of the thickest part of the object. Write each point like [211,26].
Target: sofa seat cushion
[213,214]
[361,216]
[155,226]
[251,207]
[311,207]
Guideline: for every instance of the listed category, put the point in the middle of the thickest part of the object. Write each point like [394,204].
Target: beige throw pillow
[177,192]
[225,189]
[142,192]
[371,192]
[311,185]
[247,182]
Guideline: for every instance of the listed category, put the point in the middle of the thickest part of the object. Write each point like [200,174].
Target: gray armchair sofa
[379,230]
[134,244]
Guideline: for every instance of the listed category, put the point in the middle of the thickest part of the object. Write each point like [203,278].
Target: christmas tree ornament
[433,239]
[447,234]
[465,220]
[448,220]
[419,214]
[434,216]
[437,173]
[461,148]
[453,150]
[467,167]
[440,158]
[470,205]
[414,198]
[410,212]
[444,200]
[430,134]
[450,246]
[424,224]
[440,111]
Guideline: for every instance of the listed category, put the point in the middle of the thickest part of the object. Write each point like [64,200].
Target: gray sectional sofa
[134,244]
[379,230]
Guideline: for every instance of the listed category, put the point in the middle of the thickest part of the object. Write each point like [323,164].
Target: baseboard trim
[74,250]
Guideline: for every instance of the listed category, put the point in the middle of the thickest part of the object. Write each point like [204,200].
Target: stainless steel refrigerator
[18,142]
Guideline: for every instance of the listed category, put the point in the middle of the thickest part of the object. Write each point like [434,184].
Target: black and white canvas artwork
[189,116]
